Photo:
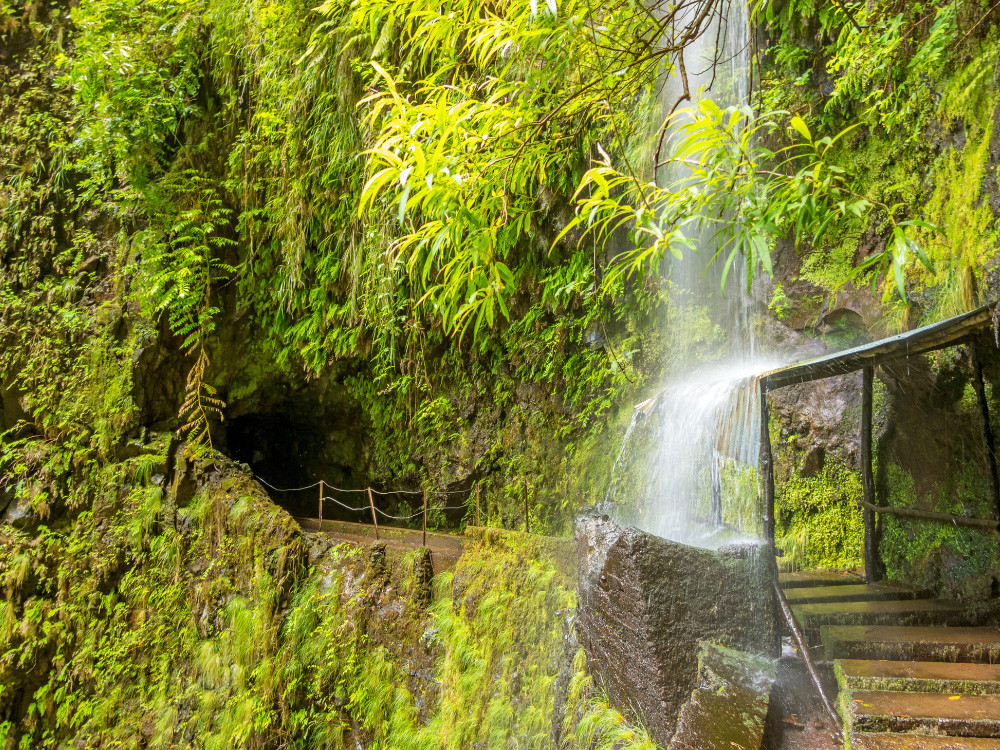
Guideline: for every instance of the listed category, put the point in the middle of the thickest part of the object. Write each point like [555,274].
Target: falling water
[718,68]
[687,466]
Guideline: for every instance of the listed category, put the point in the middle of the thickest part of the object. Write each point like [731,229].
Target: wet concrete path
[796,719]
[445,548]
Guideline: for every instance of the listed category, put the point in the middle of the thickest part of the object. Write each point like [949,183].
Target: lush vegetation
[926,104]
[361,191]
[452,221]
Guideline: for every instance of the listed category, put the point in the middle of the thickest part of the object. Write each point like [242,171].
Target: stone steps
[922,713]
[912,674]
[809,578]
[881,591]
[933,702]
[865,741]
[918,677]
[893,612]
[912,643]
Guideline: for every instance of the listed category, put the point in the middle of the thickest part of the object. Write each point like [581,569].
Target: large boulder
[647,603]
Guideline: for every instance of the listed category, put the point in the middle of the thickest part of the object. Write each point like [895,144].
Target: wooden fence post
[979,385]
[371,502]
[766,468]
[425,516]
[320,504]
[873,567]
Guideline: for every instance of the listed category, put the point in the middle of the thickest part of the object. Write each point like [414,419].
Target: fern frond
[200,404]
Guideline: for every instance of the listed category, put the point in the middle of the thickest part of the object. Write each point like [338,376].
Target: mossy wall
[932,456]
[190,611]
[929,454]
[818,520]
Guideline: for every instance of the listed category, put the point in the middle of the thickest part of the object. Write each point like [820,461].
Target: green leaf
[923,224]
[800,127]
[897,272]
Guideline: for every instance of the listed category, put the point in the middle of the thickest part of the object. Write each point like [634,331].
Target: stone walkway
[914,673]
[445,548]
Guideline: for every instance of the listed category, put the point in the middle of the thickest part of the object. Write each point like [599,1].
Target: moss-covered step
[881,591]
[956,715]
[809,578]
[912,643]
[729,706]
[914,612]
[918,676]
[866,741]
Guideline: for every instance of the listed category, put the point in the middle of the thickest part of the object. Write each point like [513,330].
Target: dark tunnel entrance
[294,446]
[311,437]
[324,435]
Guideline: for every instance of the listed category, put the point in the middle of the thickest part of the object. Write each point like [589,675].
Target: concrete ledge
[447,548]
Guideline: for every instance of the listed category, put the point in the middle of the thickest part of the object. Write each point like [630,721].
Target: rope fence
[376,511]
[363,489]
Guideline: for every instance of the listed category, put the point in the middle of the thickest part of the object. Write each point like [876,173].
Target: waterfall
[718,68]
[686,468]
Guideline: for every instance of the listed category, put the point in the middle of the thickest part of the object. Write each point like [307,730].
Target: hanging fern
[200,404]
[181,263]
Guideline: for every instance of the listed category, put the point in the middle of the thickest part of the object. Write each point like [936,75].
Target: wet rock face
[16,511]
[729,707]
[646,604]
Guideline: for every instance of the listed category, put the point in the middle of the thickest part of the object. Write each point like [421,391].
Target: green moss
[863,677]
[136,608]
[967,244]
[954,560]
[819,521]
[200,626]
[920,154]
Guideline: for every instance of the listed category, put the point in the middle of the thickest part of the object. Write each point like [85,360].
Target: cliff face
[182,248]
[924,143]
[148,284]
[153,595]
